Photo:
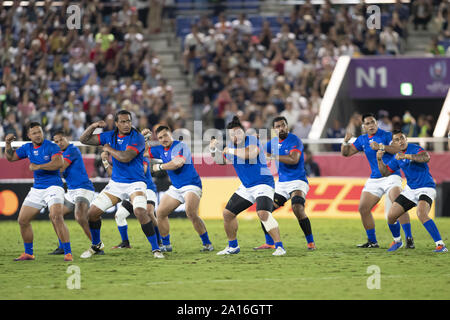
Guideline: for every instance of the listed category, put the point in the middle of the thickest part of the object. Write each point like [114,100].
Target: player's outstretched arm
[88,138]
[347,149]
[10,153]
[381,166]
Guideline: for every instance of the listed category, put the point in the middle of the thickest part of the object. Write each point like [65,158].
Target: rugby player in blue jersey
[376,139]
[287,150]
[80,190]
[126,146]
[45,161]
[420,189]
[126,208]
[249,161]
[186,185]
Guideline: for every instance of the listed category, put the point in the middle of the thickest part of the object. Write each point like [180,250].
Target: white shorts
[260,190]
[414,194]
[124,190]
[179,194]
[41,198]
[285,188]
[151,196]
[73,195]
[379,187]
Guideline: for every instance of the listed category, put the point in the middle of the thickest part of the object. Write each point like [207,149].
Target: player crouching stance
[45,161]
[126,146]
[257,186]
[186,186]
[287,150]
[420,190]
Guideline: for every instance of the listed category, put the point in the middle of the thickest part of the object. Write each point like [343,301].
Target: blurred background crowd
[253,67]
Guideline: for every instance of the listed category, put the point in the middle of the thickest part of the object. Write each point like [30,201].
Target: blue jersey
[148,176]
[362,143]
[132,171]
[252,172]
[183,176]
[417,174]
[75,174]
[42,155]
[288,172]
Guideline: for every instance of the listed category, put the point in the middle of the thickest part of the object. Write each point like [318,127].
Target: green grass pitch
[337,270]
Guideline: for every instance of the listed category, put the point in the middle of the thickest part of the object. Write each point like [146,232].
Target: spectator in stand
[336,131]
[383,121]
[193,47]
[421,12]
[390,39]
[410,127]
[311,167]
[301,129]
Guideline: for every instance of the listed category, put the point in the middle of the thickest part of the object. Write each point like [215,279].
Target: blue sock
[407,229]
[60,244]
[309,238]
[158,235]
[233,243]
[28,247]
[205,238]
[166,240]
[66,247]
[269,239]
[395,229]
[153,241]
[95,236]
[279,244]
[371,235]
[432,230]
[123,230]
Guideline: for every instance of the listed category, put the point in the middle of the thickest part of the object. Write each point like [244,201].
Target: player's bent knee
[101,203]
[139,202]
[121,216]
[270,223]
[298,200]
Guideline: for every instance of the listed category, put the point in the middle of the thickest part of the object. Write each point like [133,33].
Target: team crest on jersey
[36,152]
[119,141]
[165,153]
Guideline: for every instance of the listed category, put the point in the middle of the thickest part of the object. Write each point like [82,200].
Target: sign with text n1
[391,77]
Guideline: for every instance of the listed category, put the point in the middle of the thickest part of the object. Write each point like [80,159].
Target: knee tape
[103,202]
[121,216]
[140,202]
[270,223]
[298,200]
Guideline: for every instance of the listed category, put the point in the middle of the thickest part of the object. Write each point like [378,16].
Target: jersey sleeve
[393,166]
[22,151]
[104,138]
[387,139]
[419,149]
[296,146]
[182,150]
[55,150]
[358,144]
[70,156]
[153,153]
[137,143]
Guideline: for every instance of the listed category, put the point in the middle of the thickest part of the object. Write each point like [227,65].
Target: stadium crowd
[67,79]
[256,73]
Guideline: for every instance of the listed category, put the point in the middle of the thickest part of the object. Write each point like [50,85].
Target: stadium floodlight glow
[406,88]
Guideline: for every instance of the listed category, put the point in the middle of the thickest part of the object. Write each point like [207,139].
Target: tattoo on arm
[383,168]
[422,157]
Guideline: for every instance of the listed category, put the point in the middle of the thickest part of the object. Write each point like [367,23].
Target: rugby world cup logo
[438,70]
